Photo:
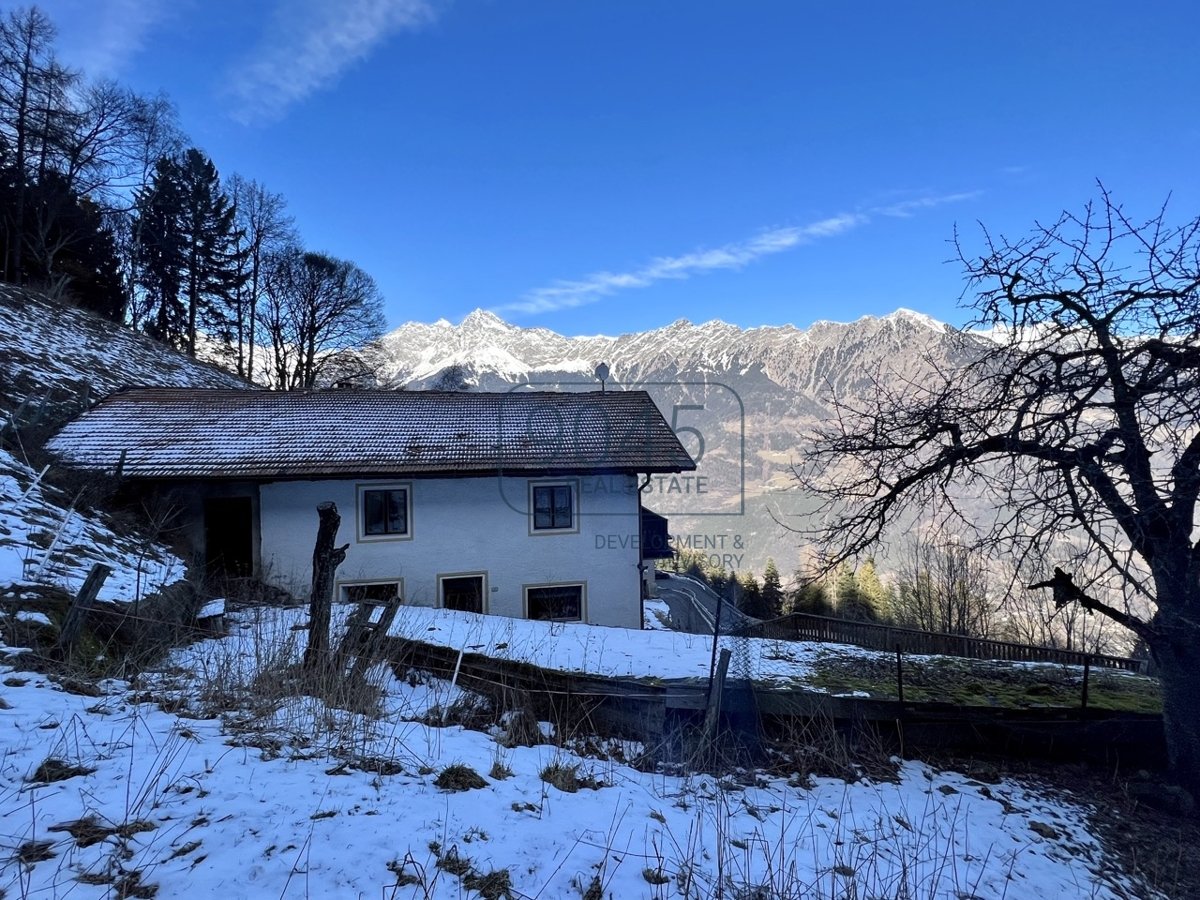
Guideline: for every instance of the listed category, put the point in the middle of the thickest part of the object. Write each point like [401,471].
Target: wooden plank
[72,627]
[716,692]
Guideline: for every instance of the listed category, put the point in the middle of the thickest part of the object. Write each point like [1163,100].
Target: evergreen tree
[851,602]
[213,260]
[772,591]
[188,253]
[872,591]
[750,596]
[159,258]
[810,597]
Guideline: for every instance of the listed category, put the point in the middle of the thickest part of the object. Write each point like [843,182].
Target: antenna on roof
[602,374]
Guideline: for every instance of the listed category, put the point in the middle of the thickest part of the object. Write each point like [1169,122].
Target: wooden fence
[804,627]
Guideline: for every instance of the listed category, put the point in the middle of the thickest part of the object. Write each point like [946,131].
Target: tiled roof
[184,433]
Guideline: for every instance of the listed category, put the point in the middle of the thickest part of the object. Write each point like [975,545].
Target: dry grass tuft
[32,852]
[459,777]
[567,778]
[52,770]
[494,885]
[454,863]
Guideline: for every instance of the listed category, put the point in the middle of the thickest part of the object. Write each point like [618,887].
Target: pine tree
[188,253]
[772,591]
[159,257]
[213,259]
[872,591]
[851,602]
[810,597]
[750,595]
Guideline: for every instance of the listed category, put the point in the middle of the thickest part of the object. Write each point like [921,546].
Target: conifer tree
[188,254]
[809,597]
[772,591]
[750,596]
[159,258]
[851,602]
[872,591]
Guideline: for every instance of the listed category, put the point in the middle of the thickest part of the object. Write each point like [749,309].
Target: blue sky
[612,166]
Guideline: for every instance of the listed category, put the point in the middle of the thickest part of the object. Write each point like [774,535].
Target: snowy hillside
[56,353]
[58,357]
[45,541]
[207,780]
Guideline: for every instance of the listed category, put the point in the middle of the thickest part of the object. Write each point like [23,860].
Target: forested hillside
[107,204]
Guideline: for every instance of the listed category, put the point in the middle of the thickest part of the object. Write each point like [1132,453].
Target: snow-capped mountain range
[486,348]
[740,399]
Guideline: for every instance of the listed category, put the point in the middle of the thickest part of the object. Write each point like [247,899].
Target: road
[693,605]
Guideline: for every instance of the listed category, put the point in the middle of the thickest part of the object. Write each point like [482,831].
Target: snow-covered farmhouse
[525,503]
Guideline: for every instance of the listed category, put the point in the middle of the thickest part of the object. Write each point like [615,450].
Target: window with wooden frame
[552,507]
[384,512]
[555,602]
[466,591]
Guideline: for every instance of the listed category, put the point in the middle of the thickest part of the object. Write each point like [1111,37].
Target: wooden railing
[804,627]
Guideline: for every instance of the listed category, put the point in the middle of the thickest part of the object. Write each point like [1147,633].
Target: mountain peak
[484,318]
[916,317]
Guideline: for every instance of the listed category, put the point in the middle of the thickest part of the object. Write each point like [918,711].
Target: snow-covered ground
[293,799]
[44,541]
[656,615]
[54,352]
[616,652]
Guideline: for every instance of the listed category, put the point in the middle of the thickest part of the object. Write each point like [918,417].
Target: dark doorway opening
[463,592]
[228,537]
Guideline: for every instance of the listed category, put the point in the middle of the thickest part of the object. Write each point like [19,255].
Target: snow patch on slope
[44,541]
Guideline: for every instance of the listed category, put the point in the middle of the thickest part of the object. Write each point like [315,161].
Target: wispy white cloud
[310,44]
[736,255]
[906,209]
[101,37]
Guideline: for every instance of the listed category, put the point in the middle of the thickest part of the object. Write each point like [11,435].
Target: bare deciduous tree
[1080,417]
[942,585]
[319,314]
[265,228]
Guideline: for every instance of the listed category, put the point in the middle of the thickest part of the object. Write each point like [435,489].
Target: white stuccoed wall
[467,525]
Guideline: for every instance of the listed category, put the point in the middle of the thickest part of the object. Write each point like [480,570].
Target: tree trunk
[326,559]
[1177,653]
[253,314]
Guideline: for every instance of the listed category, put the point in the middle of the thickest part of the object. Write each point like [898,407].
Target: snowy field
[241,792]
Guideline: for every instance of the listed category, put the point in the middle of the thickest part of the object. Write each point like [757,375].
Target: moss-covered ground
[968,682]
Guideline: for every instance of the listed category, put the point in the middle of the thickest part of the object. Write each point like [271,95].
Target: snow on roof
[183,433]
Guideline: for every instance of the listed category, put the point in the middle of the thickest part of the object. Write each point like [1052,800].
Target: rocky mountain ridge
[740,399]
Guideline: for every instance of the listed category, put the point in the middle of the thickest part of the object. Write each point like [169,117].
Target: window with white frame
[555,602]
[384,511]
[552,506]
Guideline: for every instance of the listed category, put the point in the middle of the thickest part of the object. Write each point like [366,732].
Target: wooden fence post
[68,637]
[899,676]
[715,692]
[326,559]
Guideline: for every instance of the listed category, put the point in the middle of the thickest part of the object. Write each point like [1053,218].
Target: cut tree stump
[326,559]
